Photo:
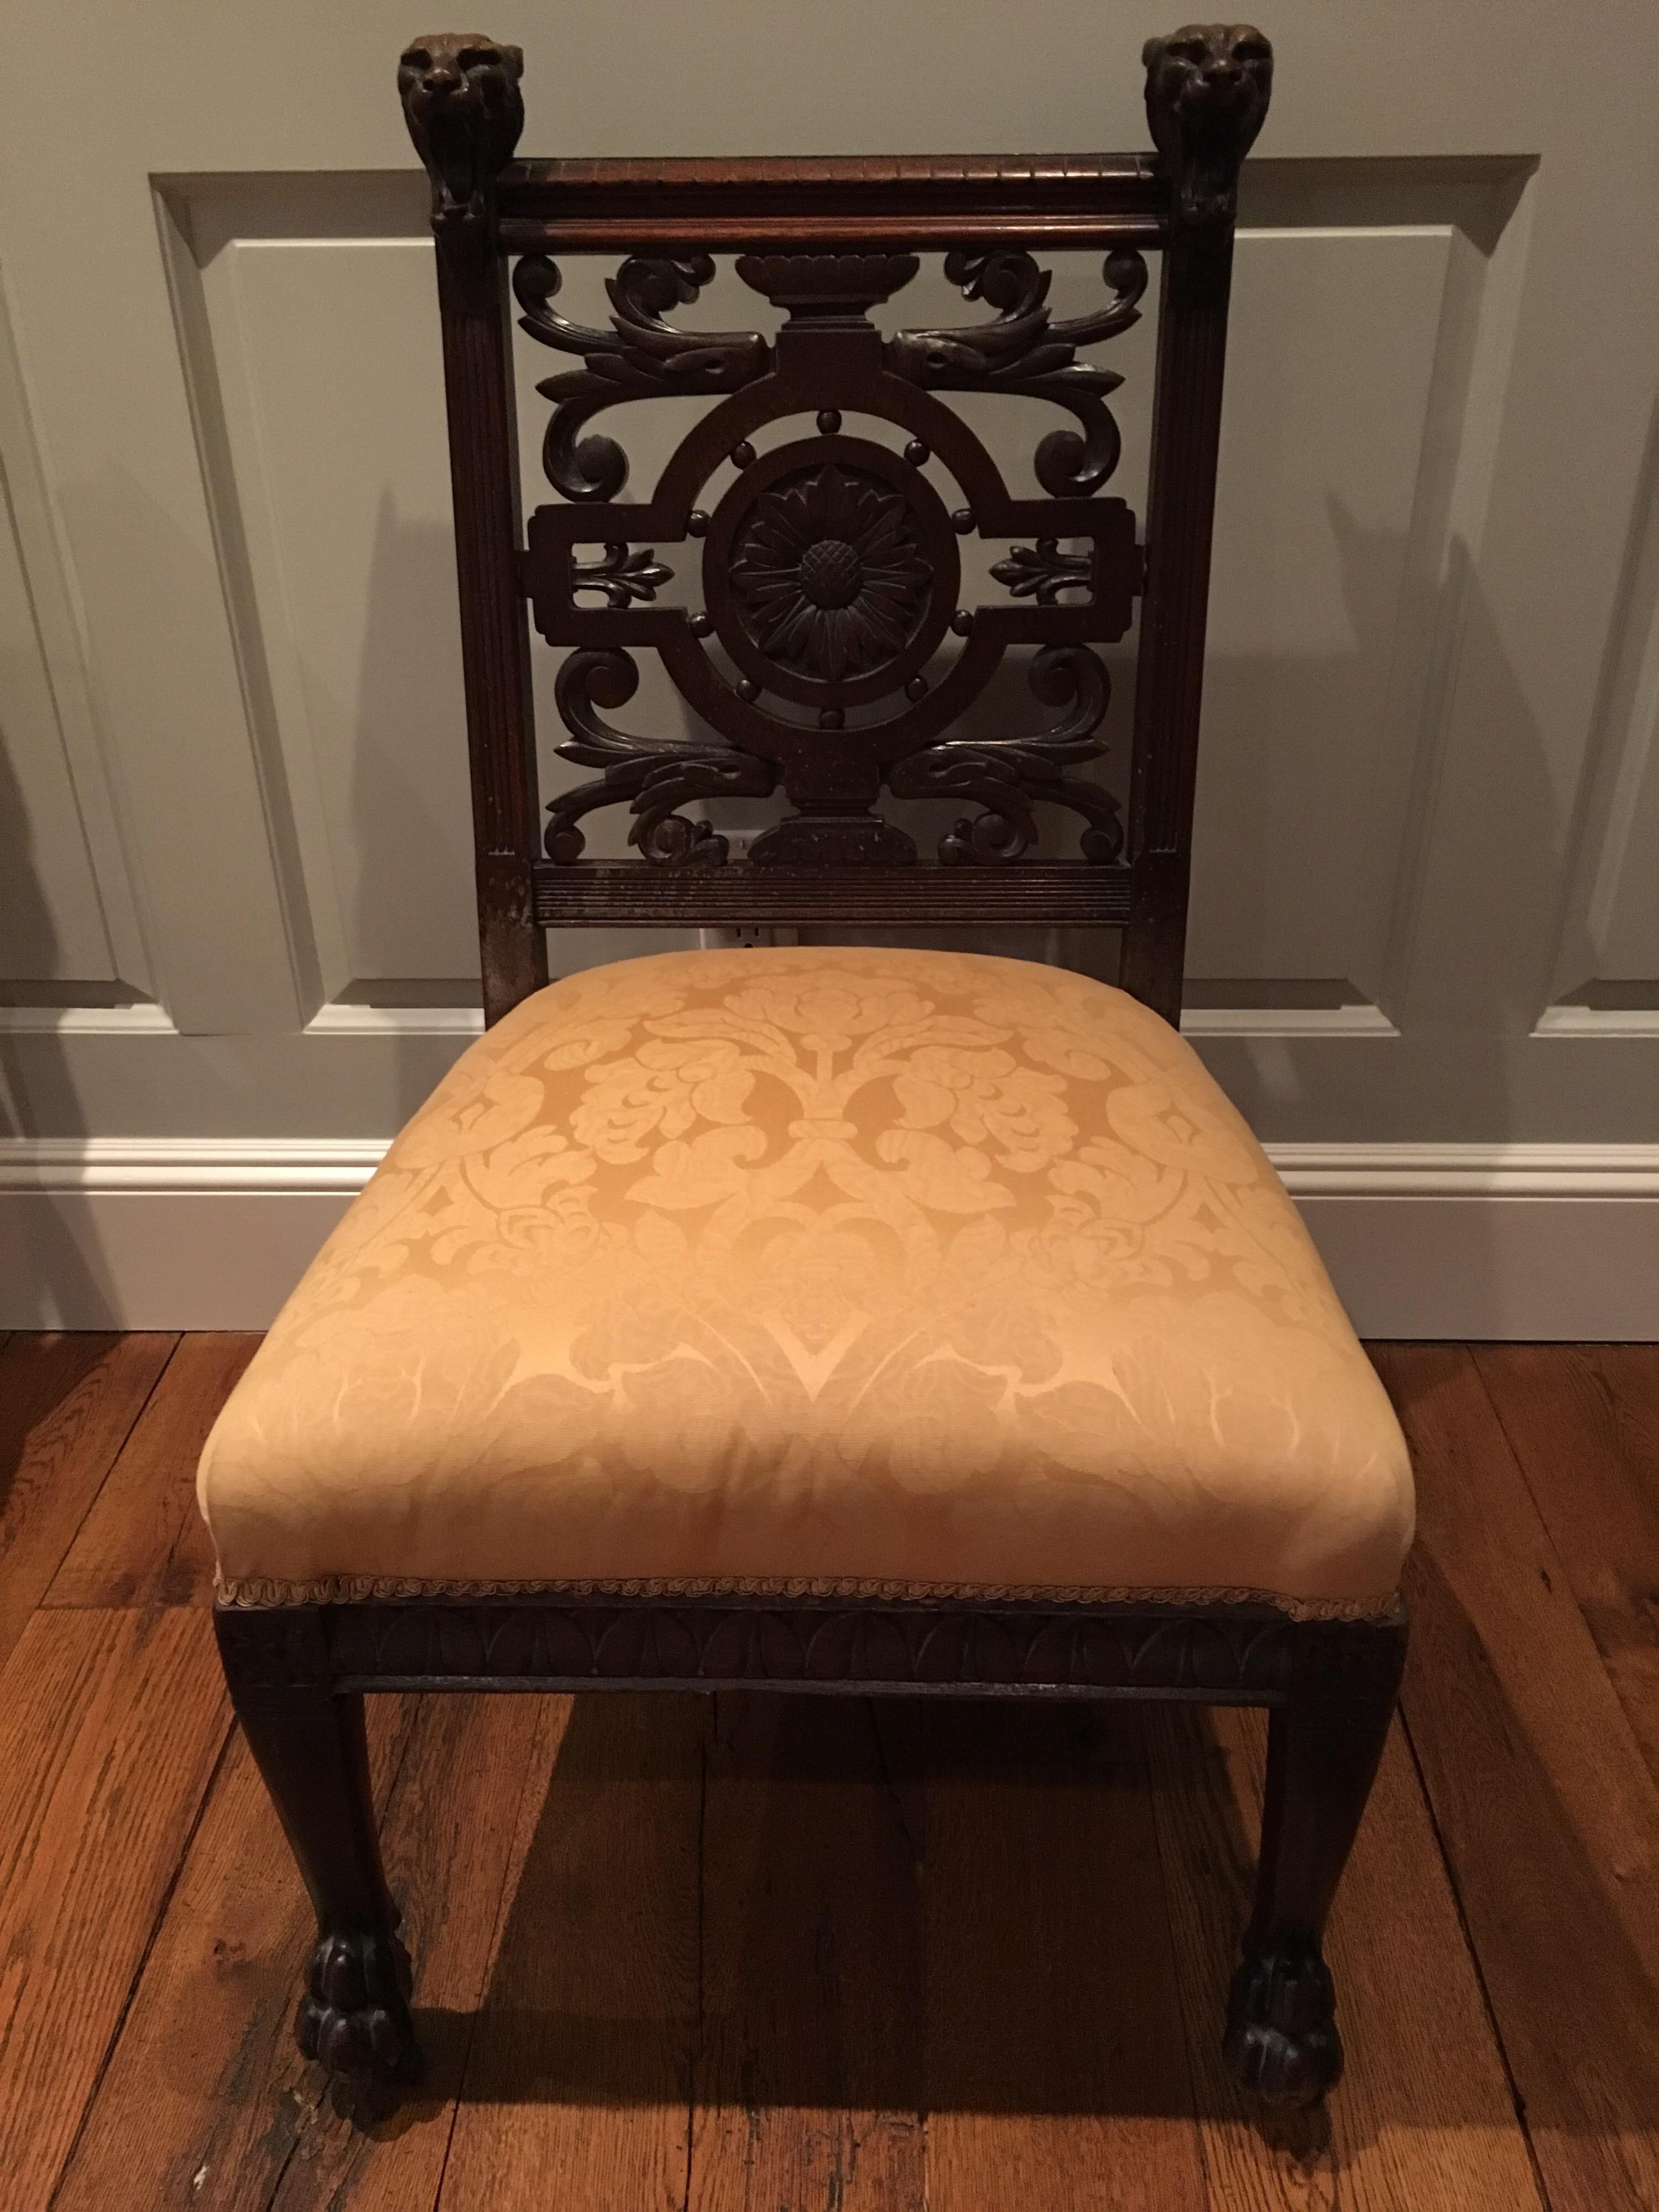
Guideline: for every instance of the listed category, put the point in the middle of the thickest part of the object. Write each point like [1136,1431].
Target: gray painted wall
[233,859]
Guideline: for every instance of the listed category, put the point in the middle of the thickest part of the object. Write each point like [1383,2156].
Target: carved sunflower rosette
[831,652]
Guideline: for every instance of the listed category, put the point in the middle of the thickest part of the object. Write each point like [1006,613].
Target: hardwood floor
[770,1955]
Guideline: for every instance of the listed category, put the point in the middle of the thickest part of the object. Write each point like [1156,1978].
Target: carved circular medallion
[829,572]
[832,570]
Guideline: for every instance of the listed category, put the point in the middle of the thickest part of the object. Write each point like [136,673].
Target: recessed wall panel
[1307,735]
[337,441]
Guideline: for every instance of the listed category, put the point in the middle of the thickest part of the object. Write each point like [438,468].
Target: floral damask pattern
[838,1266]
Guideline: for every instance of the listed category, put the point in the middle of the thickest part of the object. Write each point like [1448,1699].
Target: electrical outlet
[743,938]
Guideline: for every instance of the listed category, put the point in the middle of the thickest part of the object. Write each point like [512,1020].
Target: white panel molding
[1608,929]
[1286,1022]
[1598,1022]
[268,1166]
[207,1166]
[1496,1240]
[142,1020]
[1481,322]
[1414,1171]
[86,877]
[338,1018]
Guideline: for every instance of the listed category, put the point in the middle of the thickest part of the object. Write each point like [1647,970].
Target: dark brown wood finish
[830,576]
[1207,98]
[869,200]
[297,1675]
[625,892]
[460,97]
[307,1739]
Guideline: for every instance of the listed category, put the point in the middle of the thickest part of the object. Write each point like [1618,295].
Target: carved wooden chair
[824,1318]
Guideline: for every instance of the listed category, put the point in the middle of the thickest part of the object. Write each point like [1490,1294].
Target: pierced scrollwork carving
[1207,90]
[1043,572]
[623,575]
[830,570]
[640,357]
[464,111]
[1008,775]
[656,775]
[1024,351]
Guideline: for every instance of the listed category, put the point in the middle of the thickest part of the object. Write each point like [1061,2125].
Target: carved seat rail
[1240,1654]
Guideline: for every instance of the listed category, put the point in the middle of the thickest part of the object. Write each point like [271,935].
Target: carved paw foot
[355,2015]
[1282,2027]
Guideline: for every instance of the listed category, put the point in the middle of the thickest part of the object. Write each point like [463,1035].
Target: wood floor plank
[144,1542]
[204,2099]
[808,2085]
[1056,2070]
[1423,2120]
[1546,1808]
[456,1833]
[1582,1419]
[206,2102]
[1631,1374]
[577,2083]
[67,1403]
[111,1724]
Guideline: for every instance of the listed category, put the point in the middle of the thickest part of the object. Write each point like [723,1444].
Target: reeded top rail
[877,200]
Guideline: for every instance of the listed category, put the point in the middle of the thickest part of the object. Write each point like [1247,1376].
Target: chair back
[820,506]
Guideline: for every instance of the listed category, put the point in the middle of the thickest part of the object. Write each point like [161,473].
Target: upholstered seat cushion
[817,1270]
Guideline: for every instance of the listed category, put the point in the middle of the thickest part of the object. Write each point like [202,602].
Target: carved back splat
[829,650]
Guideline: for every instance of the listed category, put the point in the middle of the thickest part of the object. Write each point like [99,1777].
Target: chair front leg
[1324,1747]
[310,1748]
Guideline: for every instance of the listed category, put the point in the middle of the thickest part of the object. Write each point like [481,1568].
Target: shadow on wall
[1442,872]
[51,1265]
[410,910]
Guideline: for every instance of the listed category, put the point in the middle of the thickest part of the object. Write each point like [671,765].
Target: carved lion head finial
[1208,89]
[461,102]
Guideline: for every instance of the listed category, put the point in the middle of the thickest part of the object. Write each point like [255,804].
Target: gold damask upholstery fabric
[817,1271]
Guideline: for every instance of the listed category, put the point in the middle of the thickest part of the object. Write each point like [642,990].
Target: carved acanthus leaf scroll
[1007,775]
[656,775]
[464,111]
[1025,351]
[640,357]
[1208,89]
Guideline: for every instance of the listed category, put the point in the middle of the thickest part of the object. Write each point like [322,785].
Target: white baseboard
[1497,1241]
